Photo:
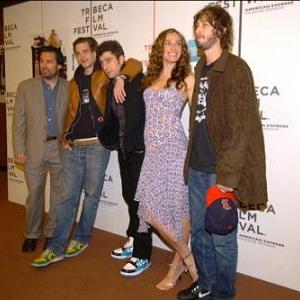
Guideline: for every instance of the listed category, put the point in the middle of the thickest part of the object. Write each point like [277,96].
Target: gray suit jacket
[30,118]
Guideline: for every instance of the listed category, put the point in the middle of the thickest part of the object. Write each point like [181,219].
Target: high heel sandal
[168,283]
[189,263]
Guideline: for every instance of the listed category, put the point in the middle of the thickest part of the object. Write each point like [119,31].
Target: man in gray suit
[40,109]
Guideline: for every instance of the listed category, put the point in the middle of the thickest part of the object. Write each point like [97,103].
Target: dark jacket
[134,108]
[99,83]
[235,129]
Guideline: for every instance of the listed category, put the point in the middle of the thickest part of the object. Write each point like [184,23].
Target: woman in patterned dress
[161,191]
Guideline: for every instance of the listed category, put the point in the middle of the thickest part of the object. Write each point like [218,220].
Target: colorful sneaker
[124,252]
[47,257]
[75,248]
[135,267]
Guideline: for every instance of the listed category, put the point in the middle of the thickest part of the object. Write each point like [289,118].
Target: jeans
[84,168]
[215,255]
[130,169]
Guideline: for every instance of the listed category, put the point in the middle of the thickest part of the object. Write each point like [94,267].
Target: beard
[208,43]
[48,74]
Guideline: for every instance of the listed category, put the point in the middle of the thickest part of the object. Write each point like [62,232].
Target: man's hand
[119,91]
[224,188]
[21,159]
[66,146]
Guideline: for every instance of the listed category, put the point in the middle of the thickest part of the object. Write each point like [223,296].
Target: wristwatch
[124,77]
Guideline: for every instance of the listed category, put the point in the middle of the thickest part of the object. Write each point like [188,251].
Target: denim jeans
[215,255]
[84,168]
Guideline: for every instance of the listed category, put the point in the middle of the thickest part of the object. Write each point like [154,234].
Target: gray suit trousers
[36,176]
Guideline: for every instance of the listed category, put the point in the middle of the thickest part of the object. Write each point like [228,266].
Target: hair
[220,20]
[182,68]
[91,41]
[50,49]
[112,46]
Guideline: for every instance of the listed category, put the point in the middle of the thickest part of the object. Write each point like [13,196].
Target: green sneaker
[75,248]
[47,257]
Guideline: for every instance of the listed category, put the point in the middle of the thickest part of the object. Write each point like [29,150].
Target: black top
[203,156]
[131,128]
[119,110]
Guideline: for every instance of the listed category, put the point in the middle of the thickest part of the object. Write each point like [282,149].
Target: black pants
[130,168]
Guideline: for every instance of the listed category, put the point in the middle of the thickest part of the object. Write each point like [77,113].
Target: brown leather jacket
[235,129]
[99,86]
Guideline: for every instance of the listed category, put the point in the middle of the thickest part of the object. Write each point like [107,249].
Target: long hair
[182,68]
[220,20]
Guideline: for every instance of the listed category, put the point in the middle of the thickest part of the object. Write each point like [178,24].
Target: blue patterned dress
[161,191]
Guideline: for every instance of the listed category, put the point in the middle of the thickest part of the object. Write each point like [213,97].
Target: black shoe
[45,244]
[29,245]
[193,292]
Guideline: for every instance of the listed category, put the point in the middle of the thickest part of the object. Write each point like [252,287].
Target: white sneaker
[125,251]
[135,266]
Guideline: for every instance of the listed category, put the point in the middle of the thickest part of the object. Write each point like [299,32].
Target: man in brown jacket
[226,149]
[84,157]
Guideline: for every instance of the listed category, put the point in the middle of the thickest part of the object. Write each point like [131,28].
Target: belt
[51,138]
[84,142]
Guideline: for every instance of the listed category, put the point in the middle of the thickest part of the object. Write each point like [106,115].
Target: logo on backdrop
[224,4]
[10,102]
[251,229]
[267,93]
[13,171]
[106,199]
[254,7]
[193,50]
[2,72]
[94,21]
[11,36]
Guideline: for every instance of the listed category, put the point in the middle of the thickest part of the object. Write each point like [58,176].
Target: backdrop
[266,36]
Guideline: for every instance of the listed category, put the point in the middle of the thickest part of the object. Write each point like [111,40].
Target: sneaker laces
[72,244]
[47,253]
[141,262]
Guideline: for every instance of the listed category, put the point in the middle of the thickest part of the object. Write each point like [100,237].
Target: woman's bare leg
[183,254]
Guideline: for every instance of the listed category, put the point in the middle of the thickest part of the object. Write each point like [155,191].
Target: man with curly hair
[226,150]
[128,130]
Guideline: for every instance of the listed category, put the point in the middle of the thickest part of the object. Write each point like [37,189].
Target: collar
[219,64]
[80,71]
[45,84]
